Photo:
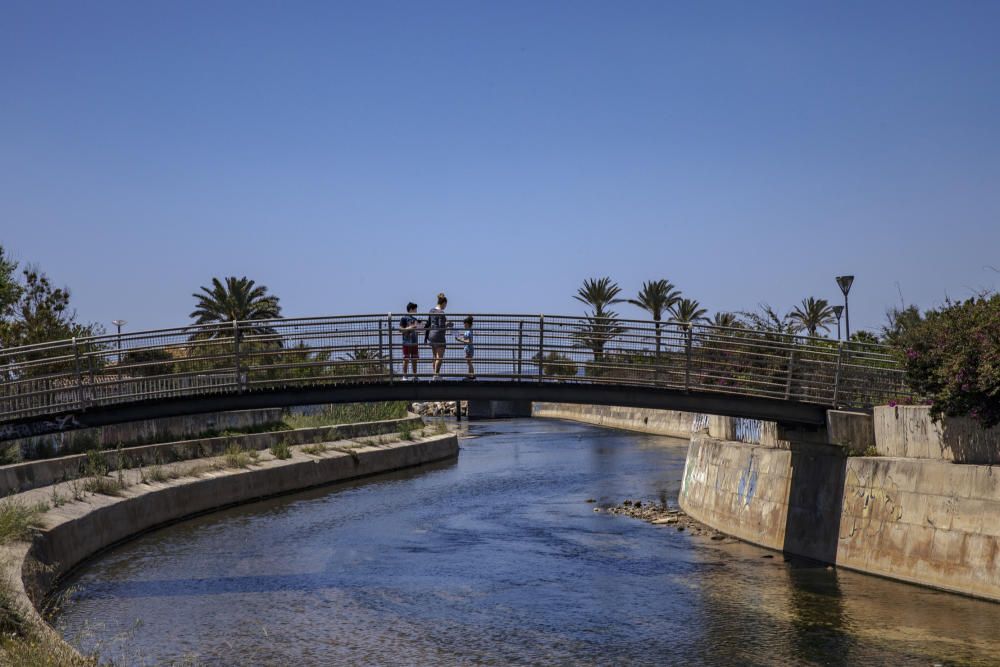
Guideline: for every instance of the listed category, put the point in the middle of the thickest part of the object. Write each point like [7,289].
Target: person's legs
[438,358]
[468,360]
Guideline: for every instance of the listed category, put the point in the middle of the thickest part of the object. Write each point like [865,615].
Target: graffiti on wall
[54,425]
[699,423]
[748,430]
[748,482]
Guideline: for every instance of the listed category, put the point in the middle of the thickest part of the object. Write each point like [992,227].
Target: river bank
[80,518]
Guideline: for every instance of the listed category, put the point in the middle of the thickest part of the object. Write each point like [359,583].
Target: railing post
[236,356]
[79,378]
[520,347]
[836,377]
[388,320]
[687,357]
[381,344]
[541,345]
[791,372]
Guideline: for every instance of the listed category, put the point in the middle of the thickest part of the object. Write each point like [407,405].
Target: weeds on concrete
[349,413]
[315,450]
[58,500]
[76,487]
[281,450]
[106,486]
[237,457]
[405,431]
[18,518]
[439,428]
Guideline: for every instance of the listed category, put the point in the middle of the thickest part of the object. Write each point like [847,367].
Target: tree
[239,299]
[726,321]
[687,312]
[43,313]
[813,314]
[952,356]
[656,297]
[767,320]
[899,321]
[10,294]
[10,290]
[866,337]
[600,325]
[599,293]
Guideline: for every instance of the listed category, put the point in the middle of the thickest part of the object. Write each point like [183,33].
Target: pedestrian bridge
[740,372]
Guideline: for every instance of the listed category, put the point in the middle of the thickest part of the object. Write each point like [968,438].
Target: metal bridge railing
[251,356]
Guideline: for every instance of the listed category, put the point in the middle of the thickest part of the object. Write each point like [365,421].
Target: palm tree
[813,314]
[656,297]
[598,293]
[687,312]
[239,299]
[600,325]
[726,320]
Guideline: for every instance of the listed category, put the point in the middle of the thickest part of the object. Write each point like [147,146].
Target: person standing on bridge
[408,325]
[436,333]
[470,349]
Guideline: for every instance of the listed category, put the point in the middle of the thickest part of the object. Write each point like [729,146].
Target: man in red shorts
[409,324]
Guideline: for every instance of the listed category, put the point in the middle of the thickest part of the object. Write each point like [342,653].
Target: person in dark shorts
[408,325]
[436,331]
[470,348]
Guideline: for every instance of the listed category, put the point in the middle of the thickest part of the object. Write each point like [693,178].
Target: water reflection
[498,559]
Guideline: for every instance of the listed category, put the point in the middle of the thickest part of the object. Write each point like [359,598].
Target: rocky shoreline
[662,515]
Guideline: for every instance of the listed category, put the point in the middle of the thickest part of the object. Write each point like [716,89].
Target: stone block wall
[922,521]
[909,431]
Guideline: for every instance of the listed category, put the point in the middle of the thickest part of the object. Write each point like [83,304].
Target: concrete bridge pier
[498,409]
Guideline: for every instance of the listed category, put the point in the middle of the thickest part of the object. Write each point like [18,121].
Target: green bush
[281,450]
[952,358]
[559,364]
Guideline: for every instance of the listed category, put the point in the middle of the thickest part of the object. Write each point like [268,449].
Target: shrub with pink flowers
[952,358]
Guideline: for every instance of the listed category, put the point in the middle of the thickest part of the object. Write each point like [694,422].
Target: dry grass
[315,450]
[19,519]
[281,450]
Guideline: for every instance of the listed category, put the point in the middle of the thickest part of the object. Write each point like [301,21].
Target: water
[498,559]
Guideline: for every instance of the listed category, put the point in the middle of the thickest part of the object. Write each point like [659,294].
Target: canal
[498,558]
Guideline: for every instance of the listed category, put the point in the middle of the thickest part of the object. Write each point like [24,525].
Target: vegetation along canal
[498,558]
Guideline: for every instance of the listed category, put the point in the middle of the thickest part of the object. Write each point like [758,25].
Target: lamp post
[119,324]
[845,282]
[838,311]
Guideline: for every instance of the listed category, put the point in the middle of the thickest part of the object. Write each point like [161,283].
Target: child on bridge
[470,350]
[409,324]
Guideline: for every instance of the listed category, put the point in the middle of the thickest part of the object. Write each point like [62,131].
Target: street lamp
[845,282]
[119,324]
[838,311]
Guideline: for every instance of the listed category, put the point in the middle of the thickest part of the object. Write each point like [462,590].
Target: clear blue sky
[353,156]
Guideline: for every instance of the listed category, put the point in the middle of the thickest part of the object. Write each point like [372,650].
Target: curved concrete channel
[80,526]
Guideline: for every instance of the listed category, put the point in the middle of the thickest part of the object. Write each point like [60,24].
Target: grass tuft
[281,450]
[18,519]
[237,457]
[315,450]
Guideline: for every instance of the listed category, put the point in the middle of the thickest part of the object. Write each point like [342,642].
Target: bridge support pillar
[498,409]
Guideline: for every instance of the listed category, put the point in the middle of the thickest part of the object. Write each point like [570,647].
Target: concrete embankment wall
[18,477]
[78,530]
[926,522]
[661,422]
[908,430]
[143,431]
[921,519]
